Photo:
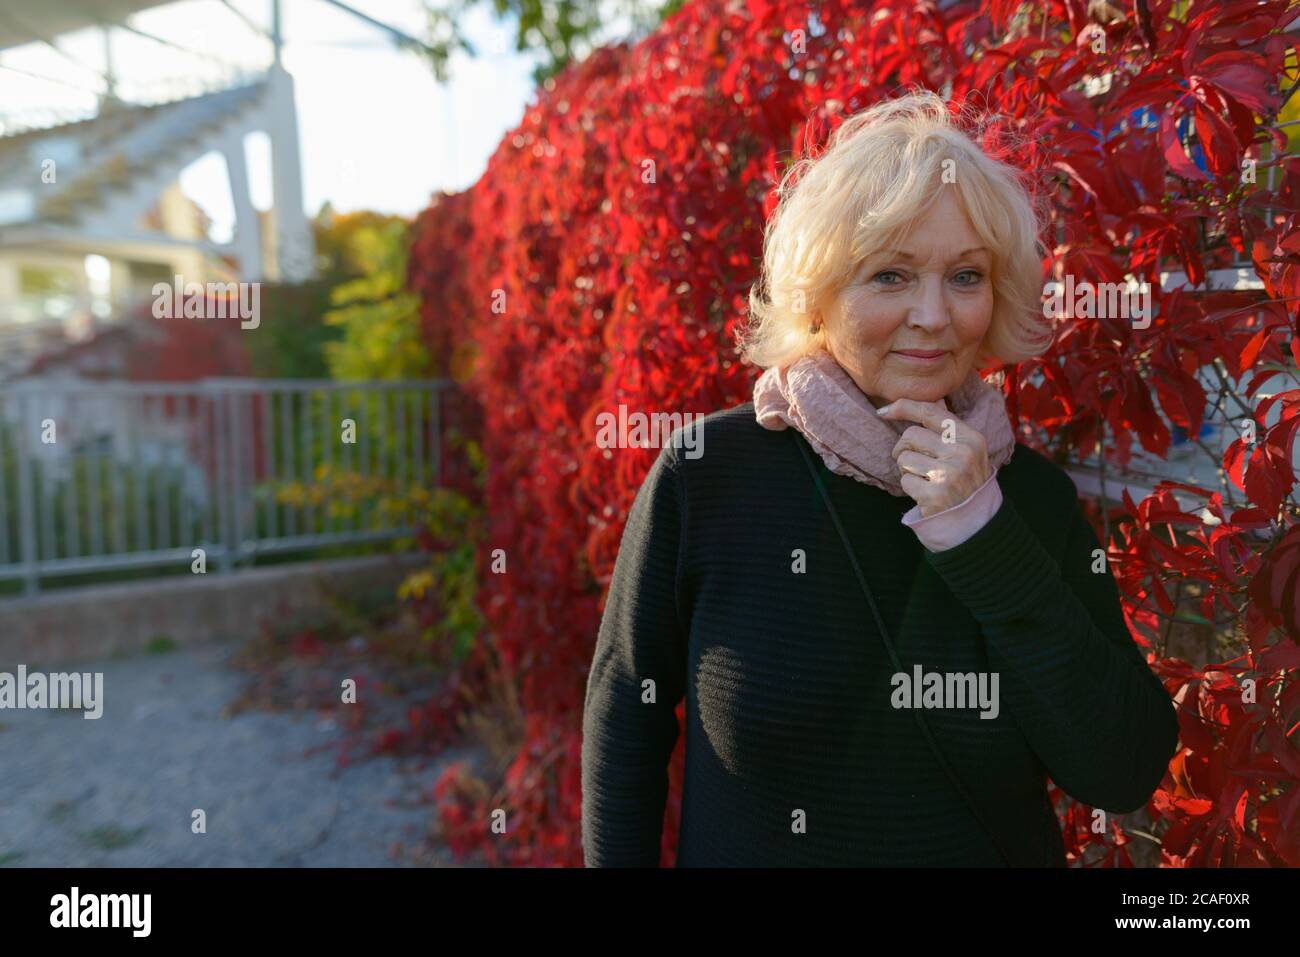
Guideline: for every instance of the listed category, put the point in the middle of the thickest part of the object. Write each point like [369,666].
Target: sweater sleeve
[629,725]
[1077,683]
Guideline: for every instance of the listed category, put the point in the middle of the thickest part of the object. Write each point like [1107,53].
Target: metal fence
[97,477]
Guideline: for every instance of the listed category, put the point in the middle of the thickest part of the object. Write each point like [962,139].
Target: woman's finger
[919,439]
[935,417]
[929,414]
[922,466]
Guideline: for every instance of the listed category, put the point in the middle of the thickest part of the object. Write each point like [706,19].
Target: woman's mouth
[922,356]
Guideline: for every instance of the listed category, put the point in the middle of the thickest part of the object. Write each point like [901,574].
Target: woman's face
[910,322]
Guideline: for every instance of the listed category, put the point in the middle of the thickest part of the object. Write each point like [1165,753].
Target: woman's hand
[943,460]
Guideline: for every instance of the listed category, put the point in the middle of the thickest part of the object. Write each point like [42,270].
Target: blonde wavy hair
[880,173]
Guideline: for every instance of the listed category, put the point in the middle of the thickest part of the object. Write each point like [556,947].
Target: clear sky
[377,131]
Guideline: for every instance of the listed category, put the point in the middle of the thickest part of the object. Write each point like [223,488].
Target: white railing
[149,93]
[98,477]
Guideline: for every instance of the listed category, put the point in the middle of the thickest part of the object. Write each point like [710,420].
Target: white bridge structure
[92,214]
[105,185]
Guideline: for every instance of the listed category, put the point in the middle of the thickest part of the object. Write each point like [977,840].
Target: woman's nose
[930,310]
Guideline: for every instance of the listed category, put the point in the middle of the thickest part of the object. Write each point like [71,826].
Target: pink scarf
[817,397]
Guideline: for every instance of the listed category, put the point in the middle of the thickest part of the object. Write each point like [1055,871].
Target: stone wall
[87,623]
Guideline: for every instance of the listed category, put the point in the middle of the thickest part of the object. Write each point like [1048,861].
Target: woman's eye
[968,277]
[888,277]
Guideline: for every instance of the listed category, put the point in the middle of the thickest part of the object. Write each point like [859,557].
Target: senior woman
[890,621]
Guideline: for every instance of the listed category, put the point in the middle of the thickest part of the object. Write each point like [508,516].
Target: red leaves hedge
[580,281]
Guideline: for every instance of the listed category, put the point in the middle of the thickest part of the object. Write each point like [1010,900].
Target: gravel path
[120,791]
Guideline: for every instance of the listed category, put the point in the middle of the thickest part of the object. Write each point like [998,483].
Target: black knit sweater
[795,752]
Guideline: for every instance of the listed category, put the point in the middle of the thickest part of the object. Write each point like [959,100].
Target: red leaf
[1244,75]
[1251,352]
[1276,587]
[1217,140]
[1172,146]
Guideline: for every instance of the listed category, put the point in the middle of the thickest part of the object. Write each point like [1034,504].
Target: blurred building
[92,215]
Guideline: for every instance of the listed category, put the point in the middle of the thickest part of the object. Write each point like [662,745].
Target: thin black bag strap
[889,645]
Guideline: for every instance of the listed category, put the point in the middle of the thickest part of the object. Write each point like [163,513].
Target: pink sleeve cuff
[952,526]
